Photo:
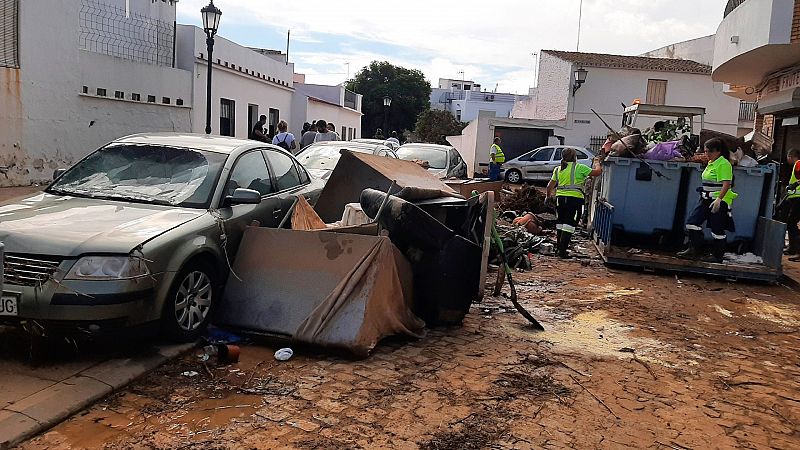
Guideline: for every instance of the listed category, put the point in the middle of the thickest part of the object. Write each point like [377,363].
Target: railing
[596,143]
[732,4]
[747,111]
[109,30]
[449,96]
[350,99]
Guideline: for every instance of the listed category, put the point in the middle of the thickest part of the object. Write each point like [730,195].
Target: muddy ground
[628,360]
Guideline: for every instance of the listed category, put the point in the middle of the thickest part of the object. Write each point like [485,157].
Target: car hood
[322,174]
[48,224]
[438,173]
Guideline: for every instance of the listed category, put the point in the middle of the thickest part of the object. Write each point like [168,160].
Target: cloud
[491,42]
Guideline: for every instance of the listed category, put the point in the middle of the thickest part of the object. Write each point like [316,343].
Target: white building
[75,74]
[465,99]
[333,104]
[613,80]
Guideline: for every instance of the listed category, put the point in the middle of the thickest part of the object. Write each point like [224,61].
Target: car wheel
[514,176]
[190,302]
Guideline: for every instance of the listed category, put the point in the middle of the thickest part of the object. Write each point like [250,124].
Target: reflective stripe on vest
[499,156]
[792,180]
[571,186]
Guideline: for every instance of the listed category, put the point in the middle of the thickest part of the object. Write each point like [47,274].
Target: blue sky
[492,42]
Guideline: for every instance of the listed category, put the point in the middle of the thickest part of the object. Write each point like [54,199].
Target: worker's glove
[716,205]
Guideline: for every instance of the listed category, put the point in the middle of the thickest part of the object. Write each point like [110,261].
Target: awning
[780,101]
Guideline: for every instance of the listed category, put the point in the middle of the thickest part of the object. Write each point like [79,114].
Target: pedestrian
[714,206]
[379,134]
[393,138]
[323,133]
[309,136]
[332,128]
[284,139]
[257,134]
[306,127]
[496,159]
[793,205]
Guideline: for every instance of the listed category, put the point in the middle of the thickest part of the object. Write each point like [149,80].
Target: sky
[494,43]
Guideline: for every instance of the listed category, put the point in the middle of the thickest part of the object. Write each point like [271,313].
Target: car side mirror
[242,196]
[57,173]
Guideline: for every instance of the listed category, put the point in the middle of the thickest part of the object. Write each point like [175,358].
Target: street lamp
[580,78]
[387,102]
[211,15]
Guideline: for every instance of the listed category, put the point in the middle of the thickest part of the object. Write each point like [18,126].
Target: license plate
[8,305]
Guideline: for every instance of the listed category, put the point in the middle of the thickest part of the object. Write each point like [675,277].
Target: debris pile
[525,199]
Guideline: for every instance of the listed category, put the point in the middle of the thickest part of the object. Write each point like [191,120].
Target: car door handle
[277,213]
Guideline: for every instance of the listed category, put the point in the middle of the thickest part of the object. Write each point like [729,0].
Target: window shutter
[9,33]
[656,92]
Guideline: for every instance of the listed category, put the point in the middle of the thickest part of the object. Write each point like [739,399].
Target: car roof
[347,144]
[369,141]
[429,146]
[217,144]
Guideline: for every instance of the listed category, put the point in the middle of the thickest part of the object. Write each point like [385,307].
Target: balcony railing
[350,99]
[747,111]
[732,4]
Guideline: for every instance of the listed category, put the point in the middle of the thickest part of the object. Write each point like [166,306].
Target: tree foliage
[409,90]
[433,125]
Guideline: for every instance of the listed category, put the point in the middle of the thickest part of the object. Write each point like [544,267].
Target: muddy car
[141,232]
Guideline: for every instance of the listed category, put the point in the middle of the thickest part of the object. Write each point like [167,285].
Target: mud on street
[628,360]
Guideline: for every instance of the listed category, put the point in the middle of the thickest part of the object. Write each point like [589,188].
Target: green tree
[433,125]
[409,90]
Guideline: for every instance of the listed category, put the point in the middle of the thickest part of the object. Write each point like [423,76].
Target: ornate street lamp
[580,78]
[387,102]
[211,15]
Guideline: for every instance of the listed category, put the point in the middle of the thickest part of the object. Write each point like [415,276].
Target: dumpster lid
[666,110]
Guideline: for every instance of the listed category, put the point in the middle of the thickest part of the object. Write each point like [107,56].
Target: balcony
[754,40]
[747,111]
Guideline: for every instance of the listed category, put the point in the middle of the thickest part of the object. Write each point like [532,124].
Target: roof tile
[632,62]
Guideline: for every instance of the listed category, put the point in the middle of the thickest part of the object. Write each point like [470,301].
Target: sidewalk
[34,399]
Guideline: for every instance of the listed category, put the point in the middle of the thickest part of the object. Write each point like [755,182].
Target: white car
[443,161]
[321,158]
[538,165]
[391,144]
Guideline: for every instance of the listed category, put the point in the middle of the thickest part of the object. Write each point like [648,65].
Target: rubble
[527,198]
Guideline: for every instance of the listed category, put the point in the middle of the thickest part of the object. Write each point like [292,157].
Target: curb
[50,406]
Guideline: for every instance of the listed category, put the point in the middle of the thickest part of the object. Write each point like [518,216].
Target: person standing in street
[332,128]
[284,139]
[379,134]
[714,205]
[793,206]
[257,134]
[309,136]
[496,159]
[393,138]
[323,133]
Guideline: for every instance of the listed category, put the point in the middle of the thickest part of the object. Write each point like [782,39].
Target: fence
[110,30]
[596,143]
[350,99]
[747,111]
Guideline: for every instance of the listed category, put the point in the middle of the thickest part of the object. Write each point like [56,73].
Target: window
[467,87]
[151,99]
[179,102]
[286,175]
[227,117]
[656,92]
[344,133]
[303,174]
[455,159]
[274,117]
[542,155]
[136,97]
[557,154]
[250,172]
[582,155]
[9,33]
[85,89]
[458,115]
[119,94]
[101,92]
[252,118]
[166,100]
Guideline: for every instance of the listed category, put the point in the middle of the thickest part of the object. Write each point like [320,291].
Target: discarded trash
[216,335]
[225,354]
[747,258]
[547,249]
[284,354]
[190,374]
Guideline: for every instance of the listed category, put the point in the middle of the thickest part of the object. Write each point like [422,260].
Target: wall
[46,120]
[555,76]
[700,50]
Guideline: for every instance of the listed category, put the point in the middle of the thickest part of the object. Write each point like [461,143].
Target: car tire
[191,302]
[514,176]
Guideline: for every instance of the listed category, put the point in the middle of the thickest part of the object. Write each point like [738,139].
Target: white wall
[341,117]
[44,115]
[555,78]
[700,50]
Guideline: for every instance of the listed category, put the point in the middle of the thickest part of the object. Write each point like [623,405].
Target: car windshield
[325,157]
[144,174]
[436,158]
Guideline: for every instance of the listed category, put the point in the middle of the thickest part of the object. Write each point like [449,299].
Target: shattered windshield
[437,159]
[145,174]
[325,157]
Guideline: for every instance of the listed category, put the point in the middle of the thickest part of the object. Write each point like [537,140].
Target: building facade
[333,104]
[465,99]
[613,80]
[87,80]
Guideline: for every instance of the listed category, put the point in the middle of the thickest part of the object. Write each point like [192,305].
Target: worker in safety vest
[568,183]
[714,206]
[793,205]
[496,159]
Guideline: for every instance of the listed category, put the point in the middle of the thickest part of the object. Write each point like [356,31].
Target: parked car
[443,161]
[538,165]
[320,158]
[391,144]
[142,231]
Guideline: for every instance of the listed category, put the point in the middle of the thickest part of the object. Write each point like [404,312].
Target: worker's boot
[695,244]
[563,248]
[559,237]
[717,251]
[794,248]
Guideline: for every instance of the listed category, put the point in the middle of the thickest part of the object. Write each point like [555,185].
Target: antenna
[580,16]
[288,35]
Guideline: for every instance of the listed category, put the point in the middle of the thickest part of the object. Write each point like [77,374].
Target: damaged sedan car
[142,232]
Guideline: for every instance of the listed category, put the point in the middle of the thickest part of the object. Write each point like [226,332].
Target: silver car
[391,144]
[538,165]
[443,161]
[140,232]
[321,158]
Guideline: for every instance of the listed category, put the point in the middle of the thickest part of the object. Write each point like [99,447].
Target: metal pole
[210,45]
[580,16]
[385,121]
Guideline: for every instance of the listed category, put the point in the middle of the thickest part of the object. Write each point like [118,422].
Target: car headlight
[107,268]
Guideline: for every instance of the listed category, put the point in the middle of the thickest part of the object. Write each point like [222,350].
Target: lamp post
[387,102]
[580,78]
[211,15]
